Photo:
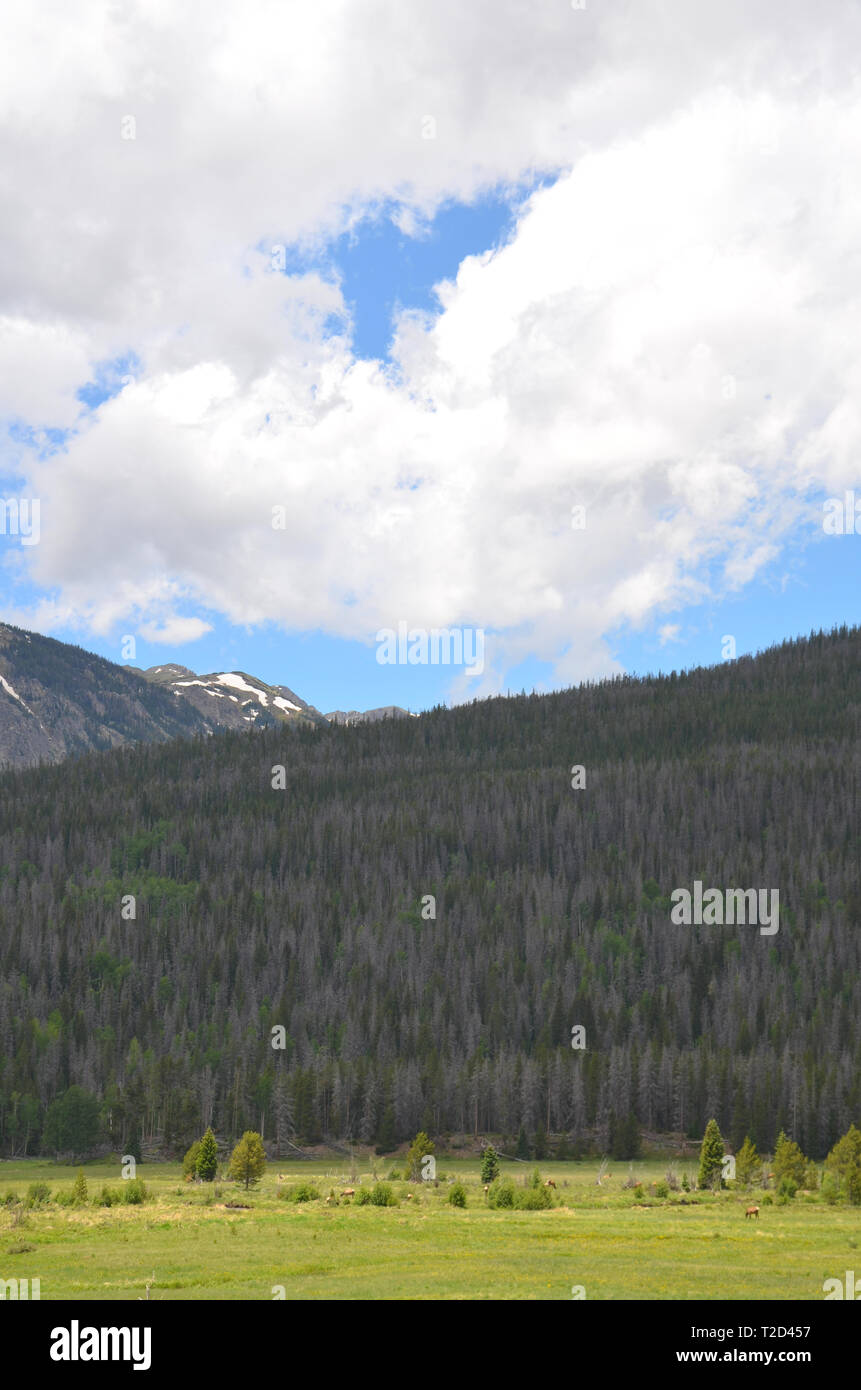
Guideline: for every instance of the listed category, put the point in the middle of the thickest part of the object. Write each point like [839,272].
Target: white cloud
[669,338]
[42,365]
[176,631]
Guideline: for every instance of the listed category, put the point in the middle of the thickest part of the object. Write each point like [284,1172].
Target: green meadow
[189,1241]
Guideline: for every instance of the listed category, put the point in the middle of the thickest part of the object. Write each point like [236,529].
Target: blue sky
[382,269]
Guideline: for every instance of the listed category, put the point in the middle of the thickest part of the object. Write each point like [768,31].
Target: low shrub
[134,1192]
[662,1189]
[362,1197]
[500,1194]
[189,1162]
[382,1195]
[38,1193]
[305,1192]
[457,1195]
[533,1199]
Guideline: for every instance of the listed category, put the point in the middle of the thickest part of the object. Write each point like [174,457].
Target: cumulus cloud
[176,631]
[667,341]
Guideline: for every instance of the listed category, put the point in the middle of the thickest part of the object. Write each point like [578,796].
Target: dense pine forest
[428,907]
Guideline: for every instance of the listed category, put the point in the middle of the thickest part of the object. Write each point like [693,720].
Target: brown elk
[550,1183]
[349,1192]
[751,1211]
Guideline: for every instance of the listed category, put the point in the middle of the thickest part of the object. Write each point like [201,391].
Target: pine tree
[632,1136]
[207,1158]
[79,1191]
[189,1162]
[420,1146]
[386,1135]
[624,1137]
[522,1150]
[282,1102]
[844,1161]
[748,1164]
[846,1153]
[489,1164]
[133,1145]
[248,1160]
[789,1161]
[711,1157]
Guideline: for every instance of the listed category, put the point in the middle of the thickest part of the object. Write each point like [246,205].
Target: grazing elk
[752,1211]
[550,1183]
[349,1192]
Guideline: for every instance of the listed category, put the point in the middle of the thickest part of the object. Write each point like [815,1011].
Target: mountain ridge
[58,700]
[369,716]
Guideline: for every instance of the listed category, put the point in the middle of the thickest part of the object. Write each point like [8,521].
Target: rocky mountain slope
[57,700]
[233,699]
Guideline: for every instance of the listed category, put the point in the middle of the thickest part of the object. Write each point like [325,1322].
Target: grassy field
[613,1243]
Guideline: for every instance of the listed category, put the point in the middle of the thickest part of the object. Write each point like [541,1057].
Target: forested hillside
[301,906]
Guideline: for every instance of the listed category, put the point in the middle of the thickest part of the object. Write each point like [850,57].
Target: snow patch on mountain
[15,696]
[237,683]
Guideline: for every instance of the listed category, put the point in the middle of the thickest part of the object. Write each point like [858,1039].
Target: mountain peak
[233,699]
